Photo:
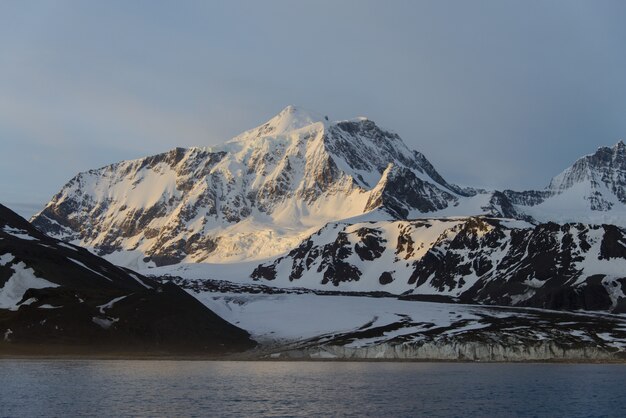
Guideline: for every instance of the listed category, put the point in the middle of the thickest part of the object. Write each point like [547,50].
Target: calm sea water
[206,388]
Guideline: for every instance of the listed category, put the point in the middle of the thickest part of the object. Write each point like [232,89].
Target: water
[205,388]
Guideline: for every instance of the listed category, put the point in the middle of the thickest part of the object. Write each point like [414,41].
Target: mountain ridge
[261,193]
[288,173]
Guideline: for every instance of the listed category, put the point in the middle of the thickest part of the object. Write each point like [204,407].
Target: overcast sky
[495,93]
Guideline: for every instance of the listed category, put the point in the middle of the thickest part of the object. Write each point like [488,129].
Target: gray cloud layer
[495,93]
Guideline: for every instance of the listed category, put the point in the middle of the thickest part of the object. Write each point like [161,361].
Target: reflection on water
[221,388]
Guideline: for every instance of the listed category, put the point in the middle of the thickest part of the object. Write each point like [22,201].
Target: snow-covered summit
[592,190]
[291,118]
[604,168]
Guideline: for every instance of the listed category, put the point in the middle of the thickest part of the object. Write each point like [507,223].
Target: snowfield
[304,325]
[292,317]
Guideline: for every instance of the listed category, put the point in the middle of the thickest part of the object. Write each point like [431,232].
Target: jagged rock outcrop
[400,191]
[472,260]
[604,169]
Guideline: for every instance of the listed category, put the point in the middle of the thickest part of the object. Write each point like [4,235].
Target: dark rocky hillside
[59,298]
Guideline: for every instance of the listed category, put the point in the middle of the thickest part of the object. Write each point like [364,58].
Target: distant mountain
[59,298]
[470,260]
[255,196]
[592,190]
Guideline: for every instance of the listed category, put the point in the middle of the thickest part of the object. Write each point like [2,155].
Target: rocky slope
[256,196]
[60,298]
[472,260]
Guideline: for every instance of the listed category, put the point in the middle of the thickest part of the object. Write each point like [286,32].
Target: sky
[497,94]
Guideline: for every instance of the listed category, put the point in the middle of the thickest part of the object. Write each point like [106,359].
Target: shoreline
[450,352]
[248,359]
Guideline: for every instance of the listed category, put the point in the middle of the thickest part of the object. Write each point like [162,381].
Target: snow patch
[19,233]
[6,259]
[14,289]
[68,246]
[105,323]
[110,304]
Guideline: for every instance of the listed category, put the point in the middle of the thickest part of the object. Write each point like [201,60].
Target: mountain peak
[295,171]
[608,155]
[602,175]
[291,118]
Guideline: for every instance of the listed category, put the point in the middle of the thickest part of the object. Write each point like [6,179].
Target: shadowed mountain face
[56,297]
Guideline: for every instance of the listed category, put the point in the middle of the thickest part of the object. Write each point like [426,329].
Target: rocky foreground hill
[57,298]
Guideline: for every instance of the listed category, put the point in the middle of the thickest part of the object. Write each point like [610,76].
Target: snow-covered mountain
[592,190]
[471,260]
[255,196]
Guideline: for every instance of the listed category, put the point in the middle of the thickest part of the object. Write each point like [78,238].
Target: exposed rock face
[56,297]
[294,172]
[501,204]
[527,198]
[508,351]
[473,260]
[495,335]
[400,191]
